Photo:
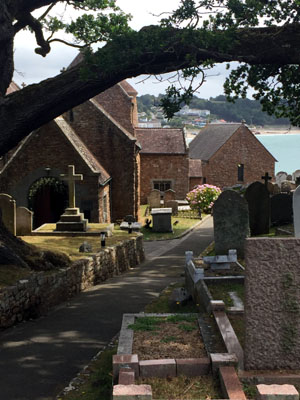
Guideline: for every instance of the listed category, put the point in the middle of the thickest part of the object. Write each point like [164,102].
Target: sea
[285,148]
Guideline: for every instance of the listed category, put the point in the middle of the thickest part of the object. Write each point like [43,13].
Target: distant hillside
[242,109]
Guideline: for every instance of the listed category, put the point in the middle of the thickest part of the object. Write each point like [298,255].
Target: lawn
[70,244]
[179,224]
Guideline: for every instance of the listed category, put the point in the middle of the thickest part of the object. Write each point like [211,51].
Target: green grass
[182,225]
[219,291]
[91,227]
[98,385]
[182,387]
[70,244]
[162,303]
[152,323]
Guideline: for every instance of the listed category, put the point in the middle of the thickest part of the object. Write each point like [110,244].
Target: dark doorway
[47,198]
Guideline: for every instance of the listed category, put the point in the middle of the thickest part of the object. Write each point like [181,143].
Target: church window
[162,186]
[240,172]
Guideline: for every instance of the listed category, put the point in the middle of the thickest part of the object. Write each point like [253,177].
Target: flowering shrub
[202,197]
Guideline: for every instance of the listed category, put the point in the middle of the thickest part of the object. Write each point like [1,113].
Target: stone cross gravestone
[8,212]
[23,221]
[272,307]
[296,211]
[71,178]
[72,220]
[231,222]
[154,199]
[258,199]
[169,196]
[266,178]
[281,209]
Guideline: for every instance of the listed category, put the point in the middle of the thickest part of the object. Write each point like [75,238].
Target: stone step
[71,218]
[72,226]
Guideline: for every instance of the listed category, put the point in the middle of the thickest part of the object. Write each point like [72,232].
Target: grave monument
[296,211]
[258,199]
[72,220]
[231,222]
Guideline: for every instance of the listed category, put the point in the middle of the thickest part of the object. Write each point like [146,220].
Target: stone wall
[33,297]
[241,148]
[164,167]
[272,308]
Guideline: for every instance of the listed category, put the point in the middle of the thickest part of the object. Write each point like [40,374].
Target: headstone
[272,307]
[72,220]
[154,199]
[8,212]
[169,196]
[174,205]
[85,247]
[289,177]
[281,209]
[296,211]
[280,176]
[130,219]
[23,221]
[285,186]
[296,175]
[258,199]
[231,222]
[266,178]
[161,220]
[273,188]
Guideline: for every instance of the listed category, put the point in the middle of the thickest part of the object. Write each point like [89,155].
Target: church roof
[210,139]
[195,168]
[161,141]
[128,88]
[82,150]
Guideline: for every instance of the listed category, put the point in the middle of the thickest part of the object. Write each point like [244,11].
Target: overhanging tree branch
[137,53]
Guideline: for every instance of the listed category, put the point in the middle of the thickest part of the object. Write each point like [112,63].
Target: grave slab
[277,392]
[132,392]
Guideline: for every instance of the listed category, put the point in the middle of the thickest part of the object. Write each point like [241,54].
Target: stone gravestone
[169,196]
[296,211]
[174,205]
[154,199]
[231,222]
[258,199]
[8,212]
[285,186]
[281,209]
[272,307]
[296,175]
[273,188]
[161,220]
[24,221]
[72,220]
[280,176]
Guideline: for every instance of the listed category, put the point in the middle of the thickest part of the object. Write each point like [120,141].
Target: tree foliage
[262,36]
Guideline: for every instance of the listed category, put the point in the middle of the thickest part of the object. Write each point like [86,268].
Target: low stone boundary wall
[32,297]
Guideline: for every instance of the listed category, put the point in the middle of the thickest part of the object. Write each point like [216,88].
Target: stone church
[98,138]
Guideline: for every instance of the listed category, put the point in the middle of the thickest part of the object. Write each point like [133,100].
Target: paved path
[39,358]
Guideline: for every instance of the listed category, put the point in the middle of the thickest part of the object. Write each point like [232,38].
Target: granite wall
[272,303]
[33,297]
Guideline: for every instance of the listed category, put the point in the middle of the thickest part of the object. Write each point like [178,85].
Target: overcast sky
[32,68]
